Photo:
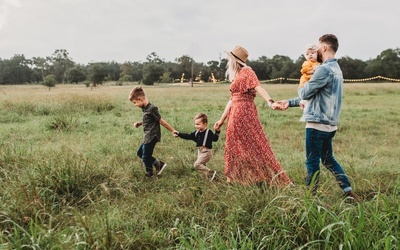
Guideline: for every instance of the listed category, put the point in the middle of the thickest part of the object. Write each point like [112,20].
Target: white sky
[129,30]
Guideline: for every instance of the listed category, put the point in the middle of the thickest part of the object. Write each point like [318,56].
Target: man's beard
[319,57]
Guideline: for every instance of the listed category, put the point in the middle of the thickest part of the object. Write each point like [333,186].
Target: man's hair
[201,116]
[136,93]
[330,40]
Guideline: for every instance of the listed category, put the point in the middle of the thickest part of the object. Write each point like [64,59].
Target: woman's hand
[218,125]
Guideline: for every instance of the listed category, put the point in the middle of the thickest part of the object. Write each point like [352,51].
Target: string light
[280,79]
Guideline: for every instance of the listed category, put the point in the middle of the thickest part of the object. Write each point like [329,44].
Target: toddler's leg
[203,156]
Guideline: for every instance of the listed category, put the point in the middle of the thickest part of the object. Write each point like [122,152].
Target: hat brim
[230,55]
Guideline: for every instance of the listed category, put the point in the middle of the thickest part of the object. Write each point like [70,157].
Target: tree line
[60,68]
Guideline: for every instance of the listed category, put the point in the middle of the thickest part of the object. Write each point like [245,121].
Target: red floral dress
[248,155]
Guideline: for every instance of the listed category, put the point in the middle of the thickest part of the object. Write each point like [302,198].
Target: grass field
[69,177]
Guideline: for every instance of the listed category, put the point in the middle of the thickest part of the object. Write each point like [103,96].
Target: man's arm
[318,80]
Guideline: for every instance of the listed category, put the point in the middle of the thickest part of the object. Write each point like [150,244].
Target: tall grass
[70,178]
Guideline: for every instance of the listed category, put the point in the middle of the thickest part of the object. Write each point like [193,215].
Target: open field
[69,177]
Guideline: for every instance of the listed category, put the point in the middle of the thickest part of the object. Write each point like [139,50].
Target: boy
[203,138]
[151,120]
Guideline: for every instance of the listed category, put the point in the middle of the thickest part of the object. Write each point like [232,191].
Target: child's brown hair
[201,116]
[136,93]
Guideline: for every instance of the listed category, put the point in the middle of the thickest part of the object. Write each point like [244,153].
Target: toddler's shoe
[351,196]
[213,175]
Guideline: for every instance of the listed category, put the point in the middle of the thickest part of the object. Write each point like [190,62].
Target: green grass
[70,178]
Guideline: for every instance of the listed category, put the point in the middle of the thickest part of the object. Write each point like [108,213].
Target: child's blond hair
[136,93]
[311,47]
[203,117]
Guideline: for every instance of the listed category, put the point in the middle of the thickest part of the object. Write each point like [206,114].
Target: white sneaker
[161,167]
[213,176]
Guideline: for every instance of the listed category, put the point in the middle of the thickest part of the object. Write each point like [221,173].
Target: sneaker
[352,196]
[148,176]
[213,175]
[160,167]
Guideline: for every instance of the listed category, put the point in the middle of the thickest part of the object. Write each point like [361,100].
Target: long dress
[248,155]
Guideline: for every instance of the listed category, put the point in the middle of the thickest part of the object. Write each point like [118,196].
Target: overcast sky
[129,30]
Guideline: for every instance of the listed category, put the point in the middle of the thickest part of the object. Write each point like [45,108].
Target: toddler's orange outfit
[307,66]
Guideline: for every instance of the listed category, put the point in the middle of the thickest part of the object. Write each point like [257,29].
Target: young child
[151,120]
[307,70]
[203,138]
[308,67]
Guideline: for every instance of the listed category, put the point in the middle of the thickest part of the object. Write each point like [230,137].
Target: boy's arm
[185,136]
[167,126]
[215,136]
[137,124]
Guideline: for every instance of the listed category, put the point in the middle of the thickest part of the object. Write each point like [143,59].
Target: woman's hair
[232,68]
[136,93]
[201,116]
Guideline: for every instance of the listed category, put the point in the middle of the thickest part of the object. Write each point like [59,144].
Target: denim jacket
[324,93]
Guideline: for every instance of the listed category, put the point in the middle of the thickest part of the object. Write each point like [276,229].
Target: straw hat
[239,54]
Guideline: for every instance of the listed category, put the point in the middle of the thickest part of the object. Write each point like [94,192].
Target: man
[324,94]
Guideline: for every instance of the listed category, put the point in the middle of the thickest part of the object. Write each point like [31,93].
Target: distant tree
[126,71]
[137,74]
[185,63]
[390,63]
[76,74]
[152,73]
[154,58]
[213,67]
[352,68]
[16,70]
[173,69]
[61,62]
[113,71]
[97,73]
[222,69]
[49,81]
[280,66]
[260,67]
[41,67]
[297,67]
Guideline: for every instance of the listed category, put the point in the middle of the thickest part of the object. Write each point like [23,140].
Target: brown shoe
[352,196]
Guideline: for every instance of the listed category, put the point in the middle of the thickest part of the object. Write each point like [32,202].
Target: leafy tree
[49,81]
[113,71]
[390,63]
[61,63]
[76,74]
[154,58]
[352,68]
[152,73]
[213,67]
[185,63]
[260,67]
[280,66]
[41,67]
[173,69]
[16,70]
[97,73]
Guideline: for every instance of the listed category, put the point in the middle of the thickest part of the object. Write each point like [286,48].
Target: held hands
[280,105]
[175,133]
[218,125]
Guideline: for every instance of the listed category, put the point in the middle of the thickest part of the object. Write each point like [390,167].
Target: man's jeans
[145,152]
[319,147]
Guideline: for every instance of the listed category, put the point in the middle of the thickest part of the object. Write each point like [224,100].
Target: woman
[248,155]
